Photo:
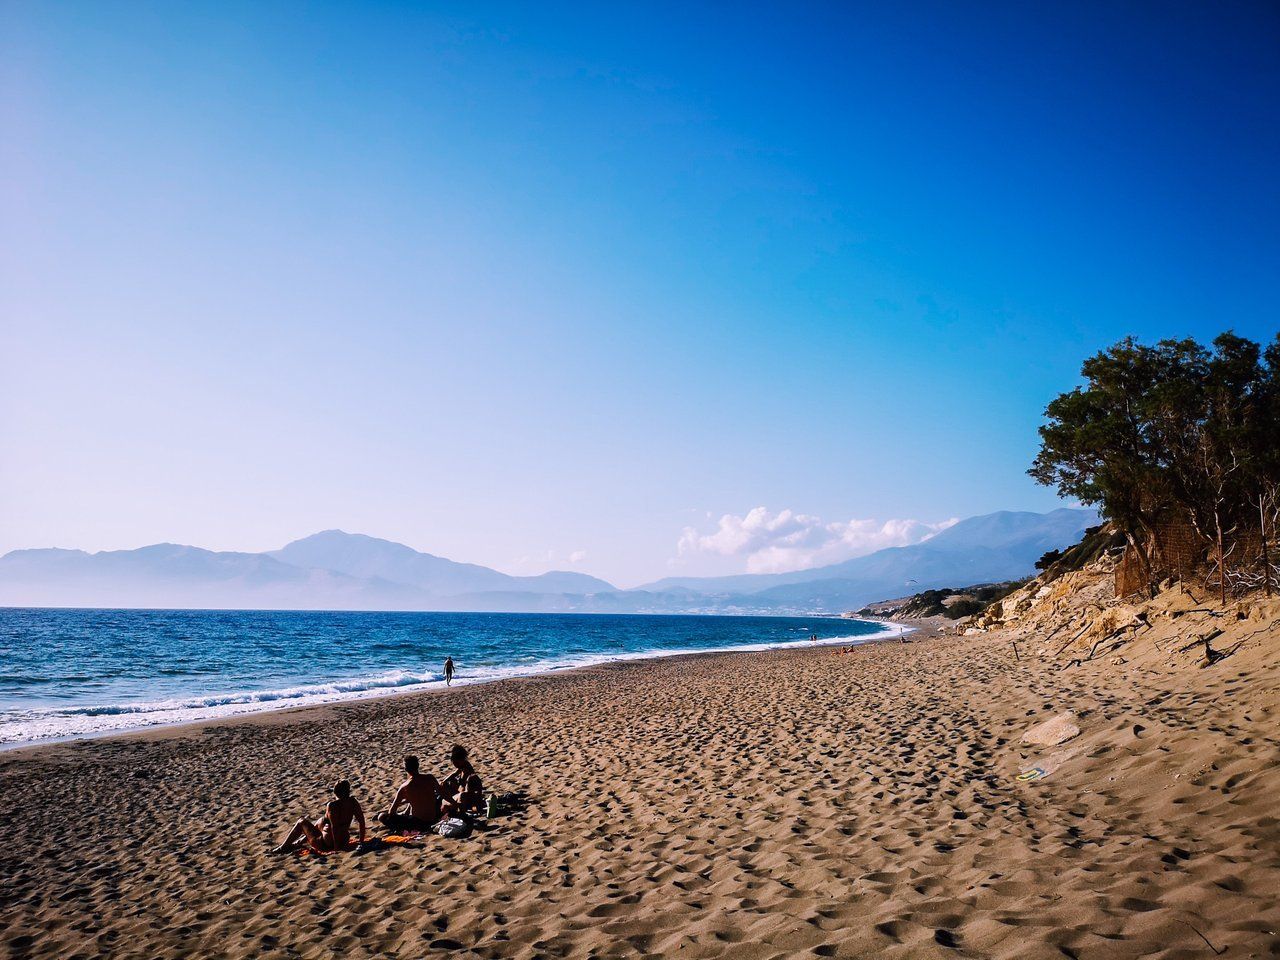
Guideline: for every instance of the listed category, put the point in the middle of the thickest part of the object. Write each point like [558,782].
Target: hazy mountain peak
[360,555]
[334,569]
[47,551]
[341,540]
[995,546]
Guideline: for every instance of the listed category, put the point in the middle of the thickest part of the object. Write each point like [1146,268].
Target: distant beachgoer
[462,790]
[448,671]
[421,793]
[333,830]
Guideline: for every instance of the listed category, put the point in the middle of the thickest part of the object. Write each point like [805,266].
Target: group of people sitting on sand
[420,803]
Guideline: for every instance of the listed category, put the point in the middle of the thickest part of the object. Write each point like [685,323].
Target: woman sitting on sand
[462,790]
[333,830]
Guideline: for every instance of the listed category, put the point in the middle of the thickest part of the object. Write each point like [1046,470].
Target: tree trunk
[1266,559]
[1143,561]
[1222,559]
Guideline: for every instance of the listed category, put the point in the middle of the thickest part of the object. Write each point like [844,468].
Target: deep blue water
[69,673]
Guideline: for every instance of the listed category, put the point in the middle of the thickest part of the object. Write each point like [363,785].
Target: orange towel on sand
[308,851]
[392,839]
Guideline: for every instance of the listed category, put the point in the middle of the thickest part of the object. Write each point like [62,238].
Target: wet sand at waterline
[767,804]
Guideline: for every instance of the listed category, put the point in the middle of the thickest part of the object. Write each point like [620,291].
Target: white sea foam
[24,727]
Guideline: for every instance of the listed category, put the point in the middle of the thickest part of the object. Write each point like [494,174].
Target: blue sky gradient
[520,285]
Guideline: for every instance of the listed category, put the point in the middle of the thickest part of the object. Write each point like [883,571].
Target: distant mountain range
[370,558]
[344,571]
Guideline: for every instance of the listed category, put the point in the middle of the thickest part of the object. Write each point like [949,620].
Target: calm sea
[76,673]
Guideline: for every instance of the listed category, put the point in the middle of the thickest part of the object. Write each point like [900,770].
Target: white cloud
[784,541]
[577,556]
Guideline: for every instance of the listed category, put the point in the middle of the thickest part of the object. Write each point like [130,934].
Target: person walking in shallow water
[448,671]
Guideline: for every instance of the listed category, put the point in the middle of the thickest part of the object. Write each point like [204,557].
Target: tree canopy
[1172,428]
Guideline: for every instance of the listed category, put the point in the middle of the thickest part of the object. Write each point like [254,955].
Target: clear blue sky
[511,284]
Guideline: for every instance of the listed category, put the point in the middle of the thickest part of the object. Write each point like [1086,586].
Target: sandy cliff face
[1077,617]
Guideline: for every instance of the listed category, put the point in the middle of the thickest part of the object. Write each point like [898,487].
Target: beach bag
[500,803]
[453,827]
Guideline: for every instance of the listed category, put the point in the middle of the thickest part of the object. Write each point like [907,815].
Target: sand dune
[772,804]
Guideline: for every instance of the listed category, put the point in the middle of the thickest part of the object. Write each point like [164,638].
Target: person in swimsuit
[462,790]
[333,830]
[421,793]
[448,671]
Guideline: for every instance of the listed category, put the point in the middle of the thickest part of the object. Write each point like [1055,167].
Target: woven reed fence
[1249,559]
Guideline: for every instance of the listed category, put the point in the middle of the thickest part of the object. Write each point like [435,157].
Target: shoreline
[890,629]
[761,805]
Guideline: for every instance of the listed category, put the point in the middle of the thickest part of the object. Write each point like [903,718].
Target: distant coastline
[334,570]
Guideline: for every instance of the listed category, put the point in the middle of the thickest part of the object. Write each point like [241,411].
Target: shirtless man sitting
[462,790]
[421,793]
[333,830]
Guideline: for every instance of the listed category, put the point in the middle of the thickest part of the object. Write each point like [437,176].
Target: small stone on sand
[1060,729]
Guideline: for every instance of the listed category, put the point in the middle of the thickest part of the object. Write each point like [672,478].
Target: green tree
[1168,429]
[1101,445]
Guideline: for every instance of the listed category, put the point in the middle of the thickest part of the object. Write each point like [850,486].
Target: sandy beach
[765,804]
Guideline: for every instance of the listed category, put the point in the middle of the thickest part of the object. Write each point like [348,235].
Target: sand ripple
[772,804]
